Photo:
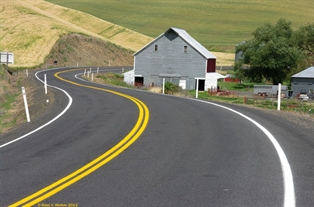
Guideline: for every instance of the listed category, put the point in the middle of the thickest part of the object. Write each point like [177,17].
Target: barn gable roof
[307,73]
[186,37]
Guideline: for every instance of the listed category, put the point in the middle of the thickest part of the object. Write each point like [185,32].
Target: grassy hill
[216,24]
[30,28]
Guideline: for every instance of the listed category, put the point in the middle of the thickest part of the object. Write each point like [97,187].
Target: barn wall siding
[301,83]
[170,58]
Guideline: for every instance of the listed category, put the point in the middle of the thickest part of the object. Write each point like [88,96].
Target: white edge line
[289,195]
[54,119]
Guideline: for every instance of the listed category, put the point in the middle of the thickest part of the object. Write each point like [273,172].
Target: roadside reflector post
[92,76]
[45,84]
[279,96]
[163,86]
[197,80]
[98,70]
[85,72]
[26,72]
[25,104]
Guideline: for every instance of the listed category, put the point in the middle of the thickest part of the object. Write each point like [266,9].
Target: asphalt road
[190,153]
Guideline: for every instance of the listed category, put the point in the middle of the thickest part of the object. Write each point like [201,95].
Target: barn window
[185,49]
[156,47]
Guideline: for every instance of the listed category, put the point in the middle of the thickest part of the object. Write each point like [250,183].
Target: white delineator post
[196,95]
[92,76]
[45,84]
[26,72]
[25,104]
[279,96]
[163,86]
[98,70]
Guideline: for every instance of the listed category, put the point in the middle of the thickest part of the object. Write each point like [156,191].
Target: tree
[305,40]
[270,54]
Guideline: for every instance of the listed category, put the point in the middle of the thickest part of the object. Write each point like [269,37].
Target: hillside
[69,50]
[216,24]
[83,50]
[30,28]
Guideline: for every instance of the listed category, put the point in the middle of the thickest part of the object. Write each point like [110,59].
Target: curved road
[177,152]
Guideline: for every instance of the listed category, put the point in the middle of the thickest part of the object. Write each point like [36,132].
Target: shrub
[171,88]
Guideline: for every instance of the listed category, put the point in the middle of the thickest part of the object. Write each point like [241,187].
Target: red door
[211,65]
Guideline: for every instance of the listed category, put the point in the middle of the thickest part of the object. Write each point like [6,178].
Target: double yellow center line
[98,162]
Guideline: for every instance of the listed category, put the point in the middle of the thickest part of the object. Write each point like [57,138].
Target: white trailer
[269,90]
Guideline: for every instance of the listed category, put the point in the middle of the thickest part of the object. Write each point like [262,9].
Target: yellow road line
[98,162]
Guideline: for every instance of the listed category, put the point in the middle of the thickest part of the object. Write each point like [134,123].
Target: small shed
[303,82]
[129,77]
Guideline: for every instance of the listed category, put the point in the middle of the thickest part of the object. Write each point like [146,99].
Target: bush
[171,88]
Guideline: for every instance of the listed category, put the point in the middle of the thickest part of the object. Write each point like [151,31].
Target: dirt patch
[81,50]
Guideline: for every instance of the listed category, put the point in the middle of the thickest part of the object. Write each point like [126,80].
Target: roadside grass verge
[112,79]
[5,120]
[286,104]
[7,100]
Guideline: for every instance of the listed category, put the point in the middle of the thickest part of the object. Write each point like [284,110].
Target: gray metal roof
[190,40]
[307,73]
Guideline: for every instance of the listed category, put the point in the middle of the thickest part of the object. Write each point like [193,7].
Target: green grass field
[217,24]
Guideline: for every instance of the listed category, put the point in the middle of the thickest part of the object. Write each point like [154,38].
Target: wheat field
[30,28]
